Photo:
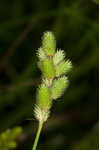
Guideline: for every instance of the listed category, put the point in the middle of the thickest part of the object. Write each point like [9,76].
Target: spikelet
[43,97]
[63,67]
[41,54]
[48,43]
[48,68]
[41,115]
[58,87]
[58,57]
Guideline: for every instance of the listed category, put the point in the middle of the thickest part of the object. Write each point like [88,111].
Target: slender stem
[37,135]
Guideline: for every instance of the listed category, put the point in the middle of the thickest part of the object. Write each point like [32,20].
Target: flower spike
[53,67]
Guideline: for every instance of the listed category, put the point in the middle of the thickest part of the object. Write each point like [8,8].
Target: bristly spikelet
[58,57]
[37,113]
[41,54]
[48,68]
[41,115]
[63,67]
[48,43]
[43,97]
[58,87]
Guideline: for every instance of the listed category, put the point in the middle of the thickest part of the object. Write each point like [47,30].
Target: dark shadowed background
[74,120]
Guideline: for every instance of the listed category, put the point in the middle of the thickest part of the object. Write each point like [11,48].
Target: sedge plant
[54,67]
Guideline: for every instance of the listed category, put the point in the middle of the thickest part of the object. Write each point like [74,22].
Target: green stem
[37,135]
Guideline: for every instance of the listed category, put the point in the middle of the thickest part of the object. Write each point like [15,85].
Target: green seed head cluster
[54,68]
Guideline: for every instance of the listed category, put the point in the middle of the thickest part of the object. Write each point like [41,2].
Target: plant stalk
[37,135]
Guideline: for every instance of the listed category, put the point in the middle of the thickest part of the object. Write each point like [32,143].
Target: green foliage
[96,1]
[8,138]
[89,142]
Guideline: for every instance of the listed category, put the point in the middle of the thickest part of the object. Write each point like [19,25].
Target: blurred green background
[74,120]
